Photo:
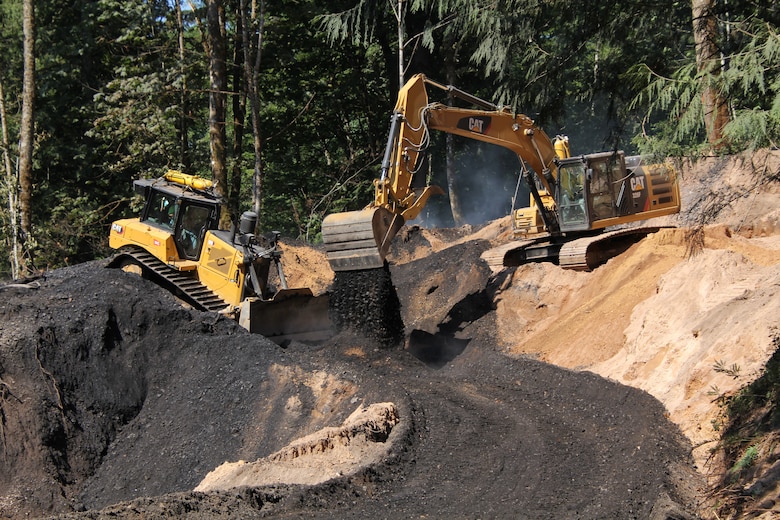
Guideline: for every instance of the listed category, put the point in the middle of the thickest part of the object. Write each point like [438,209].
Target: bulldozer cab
[160,210]
[184,213]
[195,220]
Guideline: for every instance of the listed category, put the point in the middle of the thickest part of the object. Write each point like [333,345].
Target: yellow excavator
[176,243]
[573,199]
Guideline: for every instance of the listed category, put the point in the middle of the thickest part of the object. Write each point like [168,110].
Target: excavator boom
[571,197]
[361,239]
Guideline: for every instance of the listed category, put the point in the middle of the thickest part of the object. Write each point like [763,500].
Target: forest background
[286,104]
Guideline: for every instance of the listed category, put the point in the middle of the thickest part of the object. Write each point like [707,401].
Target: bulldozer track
[181,283]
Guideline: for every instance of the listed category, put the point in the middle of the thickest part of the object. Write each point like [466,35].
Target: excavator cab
[571,200]
[592,188]
[607,189]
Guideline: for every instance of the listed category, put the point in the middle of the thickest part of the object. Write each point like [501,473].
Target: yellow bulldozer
[176,242]
[573,199]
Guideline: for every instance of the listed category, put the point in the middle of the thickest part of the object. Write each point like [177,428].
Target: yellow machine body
[175,242]
[597,190]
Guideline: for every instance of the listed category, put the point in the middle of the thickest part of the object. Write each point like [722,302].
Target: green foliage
[732,371]
[138,111]
[69,65]
[764,391]
[141,130]
[746,461]
[75,232]
[102,115]
[116,102]
[753,80]
[553,61]
[324,122]
[565,66]
[356,24]
[749,415]
[10,38]
[749,81]
[749,418]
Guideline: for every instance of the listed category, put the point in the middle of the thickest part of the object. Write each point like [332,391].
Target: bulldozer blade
[293,314]
[359,239]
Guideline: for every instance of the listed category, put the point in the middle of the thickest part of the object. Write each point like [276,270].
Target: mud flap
[293,314]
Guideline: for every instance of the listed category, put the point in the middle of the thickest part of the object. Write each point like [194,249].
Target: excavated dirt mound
[361,441]
[117,395]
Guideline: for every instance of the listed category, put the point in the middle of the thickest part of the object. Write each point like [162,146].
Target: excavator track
[581,254]
[181,283]
[502,256]
[585,254]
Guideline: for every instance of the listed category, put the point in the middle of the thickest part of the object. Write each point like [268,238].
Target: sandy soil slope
[669,315]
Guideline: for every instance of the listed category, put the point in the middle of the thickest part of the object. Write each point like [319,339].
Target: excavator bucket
[359,239]
[292,314]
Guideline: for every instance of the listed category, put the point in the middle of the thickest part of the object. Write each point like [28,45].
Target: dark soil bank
[116,402]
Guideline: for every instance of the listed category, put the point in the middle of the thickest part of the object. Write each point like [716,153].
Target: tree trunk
[215,14]
[714,104]
[251,70]
[401,37]
[453,187]
[13,216]
[26,131]
[184,155]
[239,120]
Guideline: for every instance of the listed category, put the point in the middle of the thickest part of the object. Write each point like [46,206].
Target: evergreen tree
[324,120]
[743,75]
[10,96]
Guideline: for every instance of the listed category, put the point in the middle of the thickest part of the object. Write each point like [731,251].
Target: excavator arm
[361,239]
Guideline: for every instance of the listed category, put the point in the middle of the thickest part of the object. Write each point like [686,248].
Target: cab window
[194,223]
[161,211]
[573,210]
[600,190]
